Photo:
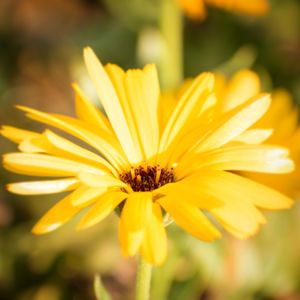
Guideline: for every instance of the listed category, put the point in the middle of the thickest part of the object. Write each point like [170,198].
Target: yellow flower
[282,118]
[146,167]
[196,8]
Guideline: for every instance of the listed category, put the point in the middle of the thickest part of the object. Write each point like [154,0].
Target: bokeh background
[41,54]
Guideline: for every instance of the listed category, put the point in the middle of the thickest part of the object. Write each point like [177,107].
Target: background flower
[282,117]
[196,8]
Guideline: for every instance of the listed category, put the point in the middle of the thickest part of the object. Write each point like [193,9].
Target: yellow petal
[85,195]
[30,146]
[287,184]
[17,135]
[98,180]
[103,142]
[249,7]
[112,105]
[254,192]
[138,93]
[130,241]
[244,85]
[184,143]
[44,165]
[104,206]
[142,95]
[53,144]
[241,223]
[183,190]
[187,109]
[240,196]
[166,105]
[57,216]
[282,117]
[195,9]
[69,150]
[117,76]
[254,136]
[137,211]
[88,113]
[233,123]
[154,245]
[190,218]
[265,159]
[43,187]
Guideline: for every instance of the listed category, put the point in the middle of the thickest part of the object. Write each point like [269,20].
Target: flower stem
[143,280]
[171,28]
[100,292]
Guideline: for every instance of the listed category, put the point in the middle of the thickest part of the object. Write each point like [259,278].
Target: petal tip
[9,188]
[39,229]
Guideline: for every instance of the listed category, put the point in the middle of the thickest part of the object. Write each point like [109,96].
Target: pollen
[147,178]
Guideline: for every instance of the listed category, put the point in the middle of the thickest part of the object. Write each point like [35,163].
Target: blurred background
[41,54]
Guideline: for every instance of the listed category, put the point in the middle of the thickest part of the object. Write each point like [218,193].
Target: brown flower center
[147,178]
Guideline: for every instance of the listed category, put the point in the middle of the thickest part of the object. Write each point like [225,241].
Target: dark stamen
[148,178]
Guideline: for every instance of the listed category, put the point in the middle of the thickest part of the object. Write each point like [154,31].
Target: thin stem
[100,292]
[143,280]
[171,28]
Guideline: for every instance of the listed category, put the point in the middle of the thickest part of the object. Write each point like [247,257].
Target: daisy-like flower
[282,117]
[196,8]
[145,166]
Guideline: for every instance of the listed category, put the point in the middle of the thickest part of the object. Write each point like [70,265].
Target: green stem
[143,280]
[100,292]
[171,28]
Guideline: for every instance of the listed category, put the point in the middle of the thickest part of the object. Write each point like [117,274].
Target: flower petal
[138,93]
[17,135]
[195,9]
[190,218]
[57,216]
[53,144]
[43,187]
[69,150]
[130,241]
[154,245]
[282,117]
[45,165]
[103,142]
[252,7]
[112,105]
[136,212]
[88,113]
[254,136]
[98,180]
[253,192]
[104,206]
[85,195]
[233,123]
[244,85]
[240,196]
[188,108]
[183,190]
[264,158]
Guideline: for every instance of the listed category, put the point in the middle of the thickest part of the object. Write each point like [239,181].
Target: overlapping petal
[104,206]
[105,143]
[281,117]
[127,97]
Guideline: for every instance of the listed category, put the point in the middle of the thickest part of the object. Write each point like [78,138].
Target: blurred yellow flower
[196,8]
[282,118]
[145,166]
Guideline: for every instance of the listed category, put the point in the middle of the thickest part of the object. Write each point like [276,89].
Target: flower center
[147,178]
